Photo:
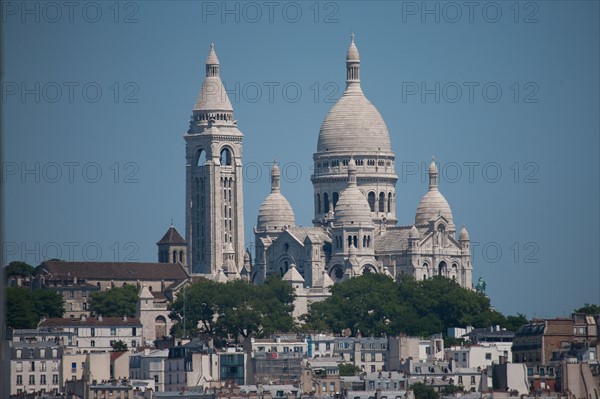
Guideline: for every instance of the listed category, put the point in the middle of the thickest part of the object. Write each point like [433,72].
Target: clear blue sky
[505,94]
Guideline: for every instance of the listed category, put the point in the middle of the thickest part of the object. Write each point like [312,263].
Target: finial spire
[433,174]
[212,62]
[172,222]
[351,172]
[275,178]
[352,66]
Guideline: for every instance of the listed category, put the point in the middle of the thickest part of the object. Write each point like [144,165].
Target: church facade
[354,229]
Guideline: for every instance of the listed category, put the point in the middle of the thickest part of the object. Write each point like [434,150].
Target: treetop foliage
[25,308]
[375,305]
[115,302]
[234,309]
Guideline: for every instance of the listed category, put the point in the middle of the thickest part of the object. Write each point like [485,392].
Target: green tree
[375,305]
[115,302]
[48,303]
[25,307]
[423,391]
[589,308]
[348,369]
[20,311]
[514,322]
[18,268]
[233,309]
[119,346]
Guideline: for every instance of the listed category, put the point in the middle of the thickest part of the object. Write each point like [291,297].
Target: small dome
[352,206]
[464,234]
[432,205]
[414,233]
[275,212]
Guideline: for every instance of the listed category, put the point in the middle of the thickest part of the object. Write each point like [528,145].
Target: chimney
[99,317]
[83,318]
[124,317]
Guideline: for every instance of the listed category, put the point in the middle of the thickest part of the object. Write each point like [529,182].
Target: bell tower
[214,199]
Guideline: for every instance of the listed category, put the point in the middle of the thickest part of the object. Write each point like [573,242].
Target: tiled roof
[116,270]
[300,233]
[172,236]
[91,321]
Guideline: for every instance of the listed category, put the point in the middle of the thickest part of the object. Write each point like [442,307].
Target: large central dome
[353,124]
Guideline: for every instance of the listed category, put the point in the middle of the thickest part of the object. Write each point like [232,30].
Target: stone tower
[214,199]
[172,248]
[354,128]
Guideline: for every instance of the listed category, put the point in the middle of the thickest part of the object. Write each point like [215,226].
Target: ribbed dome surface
[275,212]
[432,204]
[353,207]
[353,124]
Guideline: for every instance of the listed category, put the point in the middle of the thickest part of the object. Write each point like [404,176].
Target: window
[85,306]
[42,366]
[133,343]
[19,379]
[42,352]
[472,380]
[327,346]
[93,343]
[18,353]
[113,331]
[71,294]
[371,199]
[225,157]
[460,381]
[84,294]
[488,356]
[32,380]
[93,332]
[372,357]
[372,368]
[73,367]
[30,352]
[32,366]
[55,379]
[43,379]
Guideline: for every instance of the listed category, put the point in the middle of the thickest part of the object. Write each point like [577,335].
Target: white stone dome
[432,205]
[353,124]
[275,212]
[464,234]
[352,206]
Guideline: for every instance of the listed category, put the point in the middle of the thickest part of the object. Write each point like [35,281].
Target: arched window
[381,202]
[201,157]
[371,198]
[325,203]
[355,239]
[389,208]
[349,241]
[174,256]
[318,203]
[225,157]
[181,256]
[364,241]
[336,196]
[442,268]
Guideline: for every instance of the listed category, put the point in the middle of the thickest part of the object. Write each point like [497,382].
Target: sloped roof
[91,321]
[116,270]
[300,233]
[172,236]
[394,239]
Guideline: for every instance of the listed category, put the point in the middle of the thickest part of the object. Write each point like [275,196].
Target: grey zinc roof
[393,240]
[116,270]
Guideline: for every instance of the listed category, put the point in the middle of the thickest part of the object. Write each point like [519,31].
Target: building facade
[355,225]
[354,228]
